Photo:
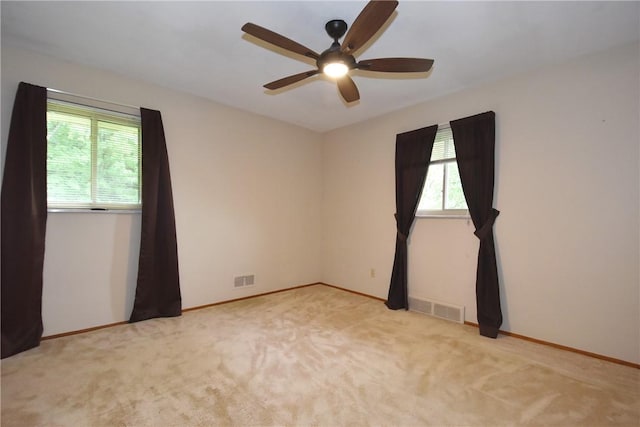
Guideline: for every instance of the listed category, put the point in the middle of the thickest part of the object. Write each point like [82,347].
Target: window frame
[95,110]
[442,213]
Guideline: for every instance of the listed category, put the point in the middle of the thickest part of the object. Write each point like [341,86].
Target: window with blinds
[94,158]
[442,193]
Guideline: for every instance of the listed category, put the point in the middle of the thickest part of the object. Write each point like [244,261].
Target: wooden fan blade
[396,65]
[290,80]
[348,89]
[370,20]
[278,40]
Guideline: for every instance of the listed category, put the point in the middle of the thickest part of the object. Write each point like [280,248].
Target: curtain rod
[95,101]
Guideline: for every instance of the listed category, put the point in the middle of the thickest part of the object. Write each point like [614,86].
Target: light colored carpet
[309,356]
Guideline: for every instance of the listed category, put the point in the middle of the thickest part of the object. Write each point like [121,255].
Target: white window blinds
[94,158]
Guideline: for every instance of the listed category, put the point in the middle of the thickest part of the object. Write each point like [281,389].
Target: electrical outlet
[372,273]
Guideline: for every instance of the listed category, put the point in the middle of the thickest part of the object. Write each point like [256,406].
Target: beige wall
[567,184]
[247,193]
[254,195]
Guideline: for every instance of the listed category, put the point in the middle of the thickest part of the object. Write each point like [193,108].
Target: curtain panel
[474,141]
[158,284]
[24,220]
[413,153]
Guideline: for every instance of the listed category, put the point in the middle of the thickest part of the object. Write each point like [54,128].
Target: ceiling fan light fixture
[335,69]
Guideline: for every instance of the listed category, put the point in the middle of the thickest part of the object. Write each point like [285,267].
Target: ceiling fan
[338,60]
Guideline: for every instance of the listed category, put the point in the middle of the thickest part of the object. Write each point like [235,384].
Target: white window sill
[93,211]
[443,214]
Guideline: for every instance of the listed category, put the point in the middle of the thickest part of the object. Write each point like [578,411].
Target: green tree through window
[442,193]
[93,158]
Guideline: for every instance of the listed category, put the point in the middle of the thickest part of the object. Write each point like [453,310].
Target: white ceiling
[198,47]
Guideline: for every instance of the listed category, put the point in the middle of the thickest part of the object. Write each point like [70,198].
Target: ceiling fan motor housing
[333,54]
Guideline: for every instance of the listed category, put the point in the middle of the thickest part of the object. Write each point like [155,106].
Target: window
[442,194]
[94,158]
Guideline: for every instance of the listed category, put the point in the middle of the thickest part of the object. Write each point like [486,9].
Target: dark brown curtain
[24,220]
[413,152]
[474,141]
[158,287]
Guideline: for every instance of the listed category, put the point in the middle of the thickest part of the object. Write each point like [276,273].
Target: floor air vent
[438,309]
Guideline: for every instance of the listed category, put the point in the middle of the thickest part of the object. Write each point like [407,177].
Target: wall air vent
[437,309]
[242,281]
